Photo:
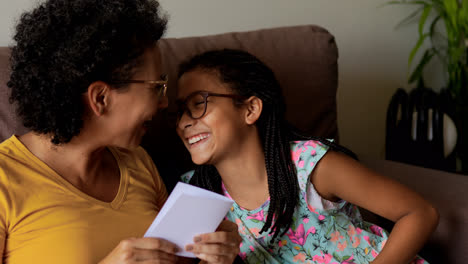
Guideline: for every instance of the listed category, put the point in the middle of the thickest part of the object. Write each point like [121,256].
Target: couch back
[304,59]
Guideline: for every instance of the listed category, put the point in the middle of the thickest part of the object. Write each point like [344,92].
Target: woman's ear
[98,97]
[254,109]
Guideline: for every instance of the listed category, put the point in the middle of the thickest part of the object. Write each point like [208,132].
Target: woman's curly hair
[62,46]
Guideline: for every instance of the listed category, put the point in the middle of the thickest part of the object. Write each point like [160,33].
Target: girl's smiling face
[219,134]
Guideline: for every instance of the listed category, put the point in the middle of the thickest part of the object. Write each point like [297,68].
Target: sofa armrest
[448,192]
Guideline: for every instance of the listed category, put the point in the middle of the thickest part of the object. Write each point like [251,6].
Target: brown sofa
[304,59]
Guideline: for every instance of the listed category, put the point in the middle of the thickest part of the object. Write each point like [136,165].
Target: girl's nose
[184,121]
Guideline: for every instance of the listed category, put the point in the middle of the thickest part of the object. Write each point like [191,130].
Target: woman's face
[134,107]
[218,135]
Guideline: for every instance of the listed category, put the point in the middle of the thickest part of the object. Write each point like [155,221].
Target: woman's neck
[78,161]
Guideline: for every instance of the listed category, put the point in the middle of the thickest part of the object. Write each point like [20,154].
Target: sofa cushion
[9,123]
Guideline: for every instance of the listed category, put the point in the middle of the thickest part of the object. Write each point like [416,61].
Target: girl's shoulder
[306,153]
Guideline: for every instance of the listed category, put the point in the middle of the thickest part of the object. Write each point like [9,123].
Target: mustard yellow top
[45,219]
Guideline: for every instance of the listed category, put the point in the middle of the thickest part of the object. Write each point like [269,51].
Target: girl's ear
[254,106]
[98,97]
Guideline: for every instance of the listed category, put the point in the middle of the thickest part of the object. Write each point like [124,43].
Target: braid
[283,185]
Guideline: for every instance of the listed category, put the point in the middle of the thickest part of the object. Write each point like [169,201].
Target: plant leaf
[408,19]
[451,7]
[463,16]
[418,71]
[422,20]
[416,48]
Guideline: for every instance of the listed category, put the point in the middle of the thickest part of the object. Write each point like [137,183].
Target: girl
[295,201]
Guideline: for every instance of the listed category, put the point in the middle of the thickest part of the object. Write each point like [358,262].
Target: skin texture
[234,148]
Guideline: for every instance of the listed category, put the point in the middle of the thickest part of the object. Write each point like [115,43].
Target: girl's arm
[338,176]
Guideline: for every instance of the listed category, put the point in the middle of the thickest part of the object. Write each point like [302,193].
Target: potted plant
[450,45]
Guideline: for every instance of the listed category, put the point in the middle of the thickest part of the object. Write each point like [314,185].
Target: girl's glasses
[195,104]
[159,86]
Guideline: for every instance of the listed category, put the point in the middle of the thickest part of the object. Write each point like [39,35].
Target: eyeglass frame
[160,92]
[205,94]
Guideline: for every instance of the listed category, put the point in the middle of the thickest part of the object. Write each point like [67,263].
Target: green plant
[450,45]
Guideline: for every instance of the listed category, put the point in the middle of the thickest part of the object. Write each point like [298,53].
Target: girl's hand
[142,250]
[221,246]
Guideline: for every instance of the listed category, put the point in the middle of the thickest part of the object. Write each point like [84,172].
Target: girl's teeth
[196,139]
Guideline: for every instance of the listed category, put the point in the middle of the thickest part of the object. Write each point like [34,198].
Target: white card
[188,211]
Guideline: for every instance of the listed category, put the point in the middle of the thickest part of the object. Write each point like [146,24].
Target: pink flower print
[366,238]
[348,261]
[301,164]
[313,152]
[255,231]
[252,248]
[282,243]
[296,154]
[312,230]
[297,237]
[241,227]
[358,231]
[311,143]
[356,241]
[342,246]
[243,255]
[335,236]
[323,259]
[376,230]
[257,216]
[301,256]
[374,253]
[305,220]
[417,261]
[311,164]
[321,217]
[312,209]
[383,244]
[351,230]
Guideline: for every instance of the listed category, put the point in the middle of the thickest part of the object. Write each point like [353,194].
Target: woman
[294,200]
[86,78]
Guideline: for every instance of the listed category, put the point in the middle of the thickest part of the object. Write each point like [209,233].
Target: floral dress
[321,231]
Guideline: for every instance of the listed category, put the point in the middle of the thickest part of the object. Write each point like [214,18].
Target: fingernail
[189,248]
[197,239]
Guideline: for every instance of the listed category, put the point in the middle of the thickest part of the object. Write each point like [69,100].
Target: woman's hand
[142,250]
[221,246]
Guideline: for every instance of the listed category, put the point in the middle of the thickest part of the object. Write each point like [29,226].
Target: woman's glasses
[195,104]
[159,86]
